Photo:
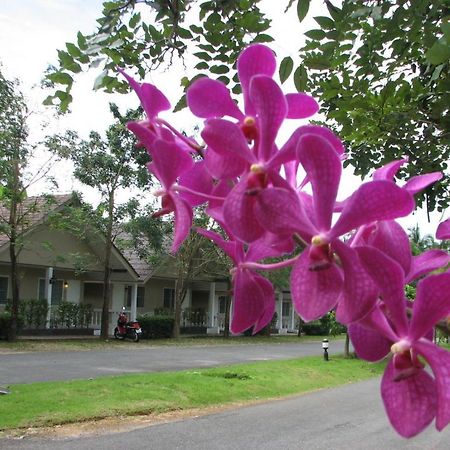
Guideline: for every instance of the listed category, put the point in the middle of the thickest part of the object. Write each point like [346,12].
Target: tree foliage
[110,165]
[379,67]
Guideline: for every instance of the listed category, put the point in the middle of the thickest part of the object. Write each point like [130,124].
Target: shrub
[156,327]
[5,322]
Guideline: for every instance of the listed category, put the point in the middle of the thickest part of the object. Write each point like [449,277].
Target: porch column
[280,310]
[212,303]
[187,299]
[48,293]
[292,317]
[133,301]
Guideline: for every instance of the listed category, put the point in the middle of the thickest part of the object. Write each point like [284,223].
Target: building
[60,266]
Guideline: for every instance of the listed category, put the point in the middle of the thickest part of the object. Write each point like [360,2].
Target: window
[286,309]
[3,289]
[169,298]
[140,296]
[57,290]
[223,304]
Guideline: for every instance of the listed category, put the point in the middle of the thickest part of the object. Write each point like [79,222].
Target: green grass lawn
[29,345]
[52,403]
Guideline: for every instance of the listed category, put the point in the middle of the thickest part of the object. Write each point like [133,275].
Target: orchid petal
[368,344]
[152,99]
[230,248]
[427,262]
[420,182]
[211,98]
[269,246]
[256,59]
[389,237]
[359,293]
[143,133]
[238,212]
[222,166]
[443,230]
[285,220]
[268,295]
[388,171]
[390,279]
[432,304]
[323,167]
[171,161]
[301,106]
[271,108]
[226,138]
[314,293]
[183,222]
[248,301]
[439,361]
[288,151]
[375,200]
[197,179]
[410,403]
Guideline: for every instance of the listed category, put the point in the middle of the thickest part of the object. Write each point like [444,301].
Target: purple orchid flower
[411,396]
[253,295]
[317,282]
[443,231]
[392,240]
[169,162]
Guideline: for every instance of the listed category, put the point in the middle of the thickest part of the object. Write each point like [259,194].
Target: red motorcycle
[127,329]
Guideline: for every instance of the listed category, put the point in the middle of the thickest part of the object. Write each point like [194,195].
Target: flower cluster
[271,200]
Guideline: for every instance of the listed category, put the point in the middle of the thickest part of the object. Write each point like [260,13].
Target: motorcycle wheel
[135,337]
[117,335]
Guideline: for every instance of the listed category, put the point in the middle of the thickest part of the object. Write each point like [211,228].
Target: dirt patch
[118,424]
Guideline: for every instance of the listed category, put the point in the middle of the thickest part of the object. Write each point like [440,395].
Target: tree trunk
[13,252]
[12,332]
[177,310]
[347,346]
[226,325]
[107,271]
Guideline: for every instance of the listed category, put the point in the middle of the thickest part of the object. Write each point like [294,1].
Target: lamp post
[325,345]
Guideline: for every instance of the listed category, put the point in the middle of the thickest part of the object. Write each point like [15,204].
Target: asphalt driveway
[51,366]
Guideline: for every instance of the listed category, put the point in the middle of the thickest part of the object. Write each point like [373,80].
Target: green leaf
[202,66]
[81,40]
[182,103]
[60,78]
[135,19]
[184,34]
[196,29]
[317,63]
[325,22]
[300,79]
[263,38]
[302,9]
[286,67]
[203,55]
[48,101]
[219,70]
[334,11]
[316,35]
[73,50]
[438,53]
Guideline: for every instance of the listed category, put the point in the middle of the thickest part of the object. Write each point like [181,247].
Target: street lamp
[325,345]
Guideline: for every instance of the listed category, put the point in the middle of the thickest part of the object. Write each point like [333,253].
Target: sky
[31,31]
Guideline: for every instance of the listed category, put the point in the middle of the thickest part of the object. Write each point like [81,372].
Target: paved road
[349,417]
[50,366]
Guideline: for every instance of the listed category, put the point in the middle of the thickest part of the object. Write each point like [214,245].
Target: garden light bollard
[325,345]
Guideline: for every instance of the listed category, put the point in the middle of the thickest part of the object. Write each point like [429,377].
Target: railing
[194,318]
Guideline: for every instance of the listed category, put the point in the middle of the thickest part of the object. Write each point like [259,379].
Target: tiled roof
[34,210]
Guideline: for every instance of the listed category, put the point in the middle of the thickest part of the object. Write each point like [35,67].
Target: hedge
[156,327]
